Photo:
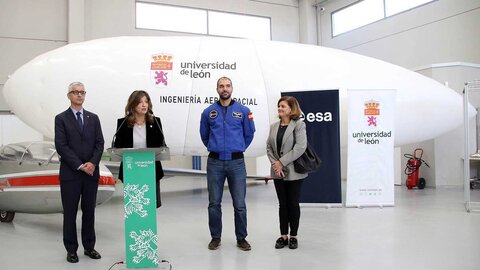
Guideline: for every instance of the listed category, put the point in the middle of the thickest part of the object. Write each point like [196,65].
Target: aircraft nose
[26,94]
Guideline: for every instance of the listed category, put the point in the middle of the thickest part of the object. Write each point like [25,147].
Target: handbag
[308,162]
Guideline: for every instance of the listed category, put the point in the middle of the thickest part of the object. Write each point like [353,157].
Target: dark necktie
[79,120]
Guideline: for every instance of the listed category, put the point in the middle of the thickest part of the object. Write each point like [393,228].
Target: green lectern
[139,195]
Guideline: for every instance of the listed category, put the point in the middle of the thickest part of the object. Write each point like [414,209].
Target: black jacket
[155,138]
[75,146]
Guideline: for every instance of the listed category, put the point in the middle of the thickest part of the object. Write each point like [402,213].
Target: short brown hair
[293,104]
[133,101]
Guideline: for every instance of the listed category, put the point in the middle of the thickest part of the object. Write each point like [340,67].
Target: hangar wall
[440,32]
[103,21]
[439,40]
[29,28]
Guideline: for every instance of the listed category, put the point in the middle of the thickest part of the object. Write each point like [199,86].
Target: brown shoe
[243,245]
[214,244]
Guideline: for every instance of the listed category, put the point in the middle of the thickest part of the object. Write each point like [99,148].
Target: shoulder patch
[250,116]
[213,114]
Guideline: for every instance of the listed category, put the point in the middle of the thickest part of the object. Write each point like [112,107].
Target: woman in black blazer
[140,129]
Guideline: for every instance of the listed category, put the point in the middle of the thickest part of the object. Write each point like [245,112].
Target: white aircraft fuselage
[180,74]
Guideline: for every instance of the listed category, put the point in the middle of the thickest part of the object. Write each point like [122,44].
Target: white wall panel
[33,19]
[441,31]
[449,40]
[29,28]
[16,52]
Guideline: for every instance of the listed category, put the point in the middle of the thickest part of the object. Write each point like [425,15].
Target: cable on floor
[122,262]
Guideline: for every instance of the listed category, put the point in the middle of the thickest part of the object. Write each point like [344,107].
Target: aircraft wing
[114,166]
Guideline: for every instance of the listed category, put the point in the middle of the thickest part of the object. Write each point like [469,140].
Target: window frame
[207,22]
[384,15]
[174,6]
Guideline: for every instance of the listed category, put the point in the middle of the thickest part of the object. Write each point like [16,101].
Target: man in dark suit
[79,142]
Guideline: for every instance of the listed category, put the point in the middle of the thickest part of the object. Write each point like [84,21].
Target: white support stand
[469,204]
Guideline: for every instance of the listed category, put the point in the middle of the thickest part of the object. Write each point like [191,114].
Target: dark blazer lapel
[149,133]
[155,137]
[128,133]
[73,119]
[86,119]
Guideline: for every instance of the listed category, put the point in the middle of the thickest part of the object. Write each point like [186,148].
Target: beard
[225,95]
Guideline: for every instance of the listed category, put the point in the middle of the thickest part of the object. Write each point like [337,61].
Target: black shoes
[281,243]
[92,254]
[293,244]
[243,245]
[72,257]
[214,244]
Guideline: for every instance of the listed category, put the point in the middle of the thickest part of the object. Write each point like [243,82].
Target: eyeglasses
[76,92]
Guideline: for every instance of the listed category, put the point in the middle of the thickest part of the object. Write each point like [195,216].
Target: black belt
[236,155]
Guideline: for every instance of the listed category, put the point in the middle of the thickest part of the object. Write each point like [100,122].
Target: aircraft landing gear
[6,216]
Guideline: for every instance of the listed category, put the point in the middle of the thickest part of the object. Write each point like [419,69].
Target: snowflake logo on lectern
[135,200]
[145,246]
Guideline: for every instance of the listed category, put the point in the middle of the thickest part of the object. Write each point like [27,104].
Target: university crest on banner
[160,67]
[371,115]
[371,112]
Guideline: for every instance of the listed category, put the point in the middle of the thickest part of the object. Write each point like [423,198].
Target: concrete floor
[427,229]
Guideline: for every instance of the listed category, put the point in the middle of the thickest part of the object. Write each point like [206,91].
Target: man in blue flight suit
[227,129]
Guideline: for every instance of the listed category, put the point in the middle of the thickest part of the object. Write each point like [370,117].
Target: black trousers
[72,192]
[288,194]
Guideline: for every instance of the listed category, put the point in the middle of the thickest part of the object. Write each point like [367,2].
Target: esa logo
[317,117]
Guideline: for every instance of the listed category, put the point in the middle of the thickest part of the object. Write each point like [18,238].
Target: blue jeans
[235,173]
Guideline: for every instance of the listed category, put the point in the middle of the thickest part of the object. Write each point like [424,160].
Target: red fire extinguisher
[413,169]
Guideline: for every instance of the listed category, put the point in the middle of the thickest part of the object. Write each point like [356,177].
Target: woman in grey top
[286,142]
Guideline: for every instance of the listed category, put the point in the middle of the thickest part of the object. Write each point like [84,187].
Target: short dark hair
[224,78]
